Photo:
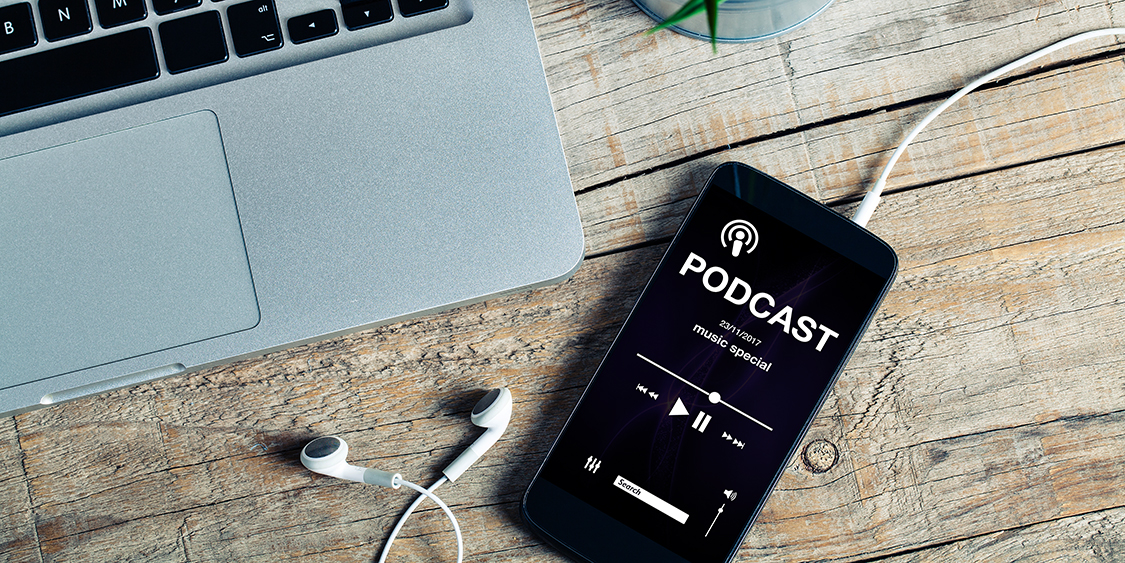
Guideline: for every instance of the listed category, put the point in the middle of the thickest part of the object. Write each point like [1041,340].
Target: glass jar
[739,20]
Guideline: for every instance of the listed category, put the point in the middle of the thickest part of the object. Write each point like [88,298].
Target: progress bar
[711,396]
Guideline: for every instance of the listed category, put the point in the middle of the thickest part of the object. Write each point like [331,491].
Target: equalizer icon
[593,464]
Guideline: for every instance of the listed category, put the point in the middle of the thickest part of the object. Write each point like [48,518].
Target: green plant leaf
[712,21]
[689,9]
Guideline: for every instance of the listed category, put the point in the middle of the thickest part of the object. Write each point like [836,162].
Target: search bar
[650,499]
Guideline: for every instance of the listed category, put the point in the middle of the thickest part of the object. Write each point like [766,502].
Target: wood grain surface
[981,419]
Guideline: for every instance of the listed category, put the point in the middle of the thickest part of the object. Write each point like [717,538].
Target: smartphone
[712,382]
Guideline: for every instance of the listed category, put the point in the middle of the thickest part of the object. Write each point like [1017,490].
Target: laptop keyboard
[52,51]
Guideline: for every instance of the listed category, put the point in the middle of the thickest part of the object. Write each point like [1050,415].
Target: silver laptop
[184,183]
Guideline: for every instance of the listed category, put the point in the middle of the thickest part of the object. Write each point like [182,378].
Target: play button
[678,409]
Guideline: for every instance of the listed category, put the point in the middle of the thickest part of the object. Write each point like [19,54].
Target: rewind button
[310,27]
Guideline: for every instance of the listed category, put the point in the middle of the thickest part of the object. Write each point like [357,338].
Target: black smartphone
[713,380]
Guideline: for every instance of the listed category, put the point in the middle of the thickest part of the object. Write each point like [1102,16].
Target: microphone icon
[739,234]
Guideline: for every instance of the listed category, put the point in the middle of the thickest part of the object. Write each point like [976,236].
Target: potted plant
[731,20]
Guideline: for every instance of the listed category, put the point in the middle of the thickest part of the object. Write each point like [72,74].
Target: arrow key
[309,27]
[414,7]
[364,13]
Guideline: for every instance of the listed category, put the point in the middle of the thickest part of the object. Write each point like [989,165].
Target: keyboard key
[63,19]
[254,27]
[193,42]
[359,14]
[162,7]
[415,7]
[112,13]
[78,70]
[309,27]
[17,28]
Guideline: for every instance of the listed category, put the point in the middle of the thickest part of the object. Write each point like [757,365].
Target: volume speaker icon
[731,495]
[740,235]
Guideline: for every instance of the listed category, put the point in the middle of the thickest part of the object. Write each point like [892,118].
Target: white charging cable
[867,206]
[424,493]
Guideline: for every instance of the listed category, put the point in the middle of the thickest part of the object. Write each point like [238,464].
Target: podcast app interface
[712,379]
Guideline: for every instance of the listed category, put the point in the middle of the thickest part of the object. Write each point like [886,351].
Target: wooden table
[982,418]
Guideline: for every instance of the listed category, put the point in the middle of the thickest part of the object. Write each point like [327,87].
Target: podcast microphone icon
[739,234]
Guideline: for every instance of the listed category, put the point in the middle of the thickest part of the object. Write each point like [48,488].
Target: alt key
[254,27]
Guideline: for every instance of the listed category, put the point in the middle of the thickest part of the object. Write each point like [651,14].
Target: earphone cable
[867,206]
[423,494]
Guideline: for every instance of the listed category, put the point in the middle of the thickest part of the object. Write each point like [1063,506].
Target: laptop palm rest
[117,246]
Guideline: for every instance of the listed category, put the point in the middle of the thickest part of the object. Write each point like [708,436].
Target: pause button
[701,421]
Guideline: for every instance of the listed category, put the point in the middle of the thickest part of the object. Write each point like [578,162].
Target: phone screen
[714,377]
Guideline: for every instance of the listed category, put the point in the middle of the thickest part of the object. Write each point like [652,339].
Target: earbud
[491,413]
[328,456]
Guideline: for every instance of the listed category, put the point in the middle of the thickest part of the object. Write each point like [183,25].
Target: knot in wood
[820,455]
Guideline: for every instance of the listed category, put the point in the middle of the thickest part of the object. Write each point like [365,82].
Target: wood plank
[628,103]
[1097,536]
[1033,276]
[865,56]
[92,477]
[17,530]
[1031,119]
[936,492]
[1038,117]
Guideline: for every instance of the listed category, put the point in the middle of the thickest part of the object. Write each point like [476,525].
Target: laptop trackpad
[117,246]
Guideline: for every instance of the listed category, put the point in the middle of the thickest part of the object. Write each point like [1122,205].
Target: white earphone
[328,456]
[492,413]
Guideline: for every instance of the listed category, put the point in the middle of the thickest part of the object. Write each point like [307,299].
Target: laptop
[186,183]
